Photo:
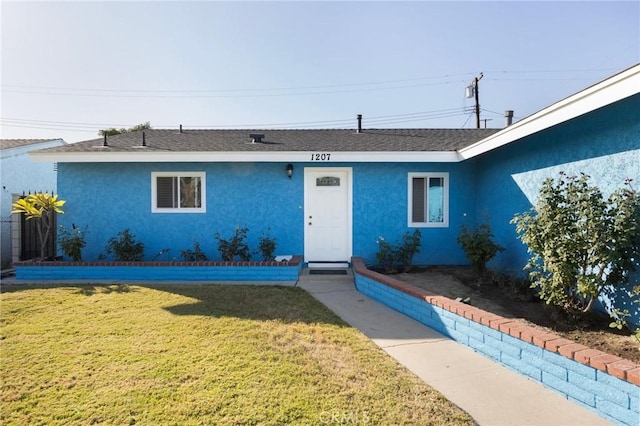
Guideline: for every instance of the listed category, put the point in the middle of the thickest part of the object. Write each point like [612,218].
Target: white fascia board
[143,156]
[23,149]
[618,87]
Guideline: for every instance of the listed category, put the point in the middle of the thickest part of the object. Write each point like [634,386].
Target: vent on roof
[508,117]
[256,137]
[359,123]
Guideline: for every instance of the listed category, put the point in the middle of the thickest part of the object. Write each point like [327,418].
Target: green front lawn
[189,354]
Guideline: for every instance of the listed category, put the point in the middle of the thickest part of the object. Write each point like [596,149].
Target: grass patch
[194,354]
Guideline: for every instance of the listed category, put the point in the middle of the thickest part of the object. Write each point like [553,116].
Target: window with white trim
[428,197]
[178,192]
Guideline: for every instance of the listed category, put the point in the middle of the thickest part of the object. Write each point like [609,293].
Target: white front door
[327,214]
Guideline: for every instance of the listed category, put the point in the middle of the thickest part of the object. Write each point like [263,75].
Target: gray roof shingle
[14,143]
[370,140]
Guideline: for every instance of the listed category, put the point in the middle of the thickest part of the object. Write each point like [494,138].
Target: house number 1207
[320,157]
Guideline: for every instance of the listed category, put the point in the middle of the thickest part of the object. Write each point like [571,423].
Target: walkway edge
[489,392]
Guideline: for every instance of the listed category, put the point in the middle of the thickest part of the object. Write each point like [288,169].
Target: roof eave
[110,155]
[613,89]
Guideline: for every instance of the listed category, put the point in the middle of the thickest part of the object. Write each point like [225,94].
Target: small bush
[619,316]
[478,246]
[235,246]
[267,246]
[72,243]
[386,255]
[408,248]
[389,256]
[125,248]
[195,255]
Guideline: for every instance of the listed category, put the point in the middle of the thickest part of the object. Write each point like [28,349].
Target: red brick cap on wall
[611,364]
[295,261]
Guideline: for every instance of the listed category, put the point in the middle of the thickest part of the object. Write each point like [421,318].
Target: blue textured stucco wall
[604,144]
[380,210]
[111,197]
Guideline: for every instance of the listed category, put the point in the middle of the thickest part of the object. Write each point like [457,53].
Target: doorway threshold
[328,265]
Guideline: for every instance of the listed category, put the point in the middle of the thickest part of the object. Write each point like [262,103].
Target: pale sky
[70,69]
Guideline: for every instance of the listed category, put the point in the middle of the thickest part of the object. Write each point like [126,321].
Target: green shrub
[619,316]
[125,248]
[267,246]
[235,246]
[581,243]
[389,256]
[409,246]
[195,255]
[478,246]
[386,255]
[72,243]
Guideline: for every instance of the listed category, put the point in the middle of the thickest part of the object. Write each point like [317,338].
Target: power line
[328,86]
[234,95]
[551,71]
[371,121]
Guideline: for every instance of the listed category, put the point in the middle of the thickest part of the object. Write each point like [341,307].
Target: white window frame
[445,200]
[203,193]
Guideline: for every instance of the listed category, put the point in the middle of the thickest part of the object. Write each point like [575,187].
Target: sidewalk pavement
[490,393]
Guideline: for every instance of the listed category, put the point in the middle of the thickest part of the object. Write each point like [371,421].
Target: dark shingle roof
[372,140]
[13,143]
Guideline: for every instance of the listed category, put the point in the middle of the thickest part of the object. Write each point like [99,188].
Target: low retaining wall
[160,271]
[604,383]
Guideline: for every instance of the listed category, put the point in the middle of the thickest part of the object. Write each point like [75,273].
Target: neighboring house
[348,188]
[20,175]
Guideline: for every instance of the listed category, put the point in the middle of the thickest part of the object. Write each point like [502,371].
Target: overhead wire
[220,92]
[262,92]
[235,95]
[371,121]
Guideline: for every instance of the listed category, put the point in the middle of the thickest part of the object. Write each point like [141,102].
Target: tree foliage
[581,243]
[113,131]
[40,206]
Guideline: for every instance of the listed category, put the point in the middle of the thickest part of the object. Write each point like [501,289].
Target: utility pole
[477,96]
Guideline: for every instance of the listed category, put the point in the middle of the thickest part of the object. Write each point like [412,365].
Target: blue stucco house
[331,194]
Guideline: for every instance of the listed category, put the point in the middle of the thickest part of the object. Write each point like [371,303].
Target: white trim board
[107,155]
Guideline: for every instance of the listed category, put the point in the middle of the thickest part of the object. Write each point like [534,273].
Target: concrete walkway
[489,392]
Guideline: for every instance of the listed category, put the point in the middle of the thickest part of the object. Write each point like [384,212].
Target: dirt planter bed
[604,383]
[160,271]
